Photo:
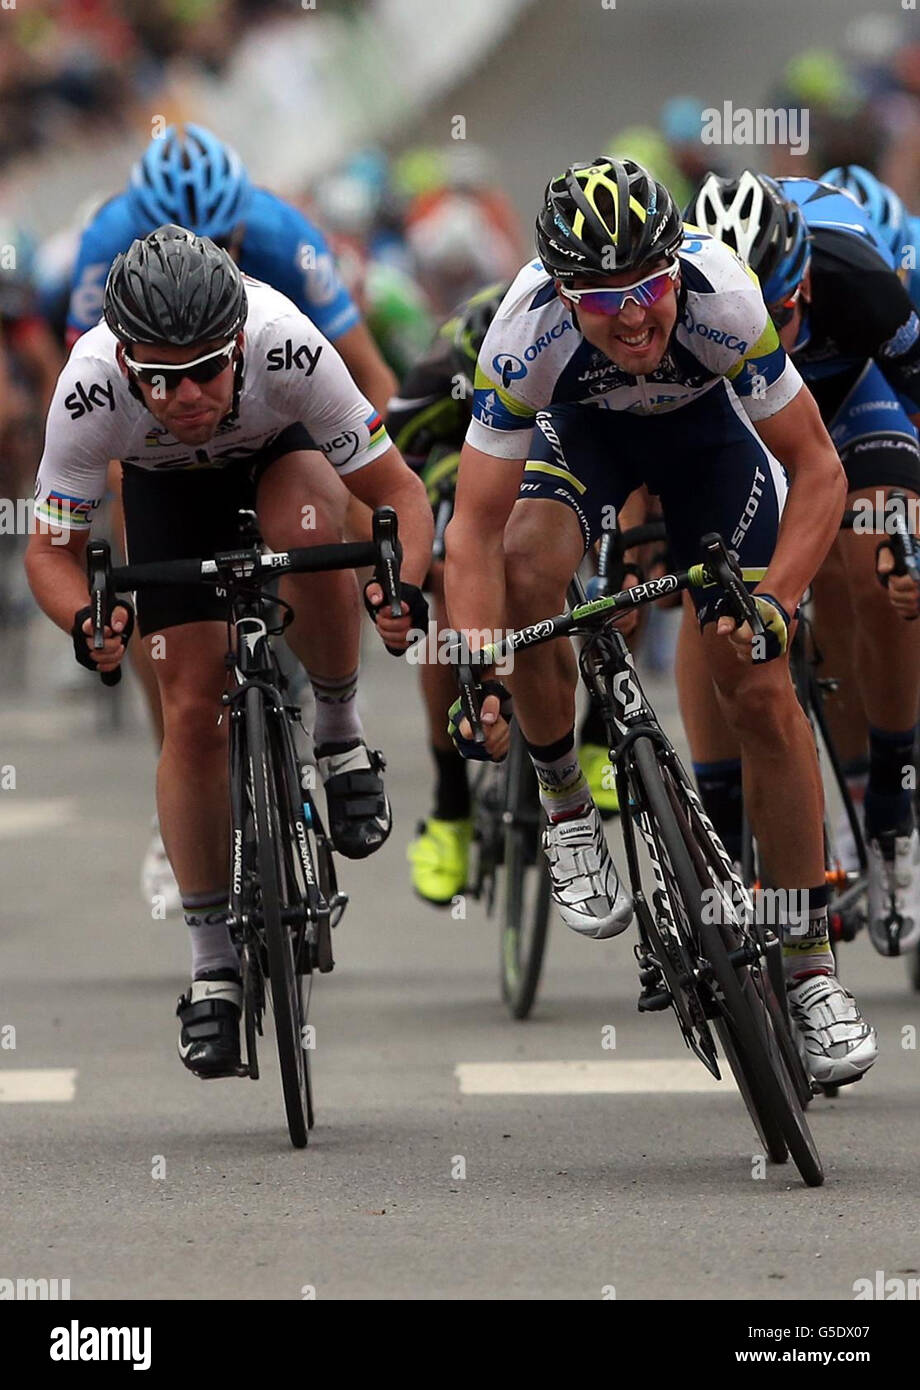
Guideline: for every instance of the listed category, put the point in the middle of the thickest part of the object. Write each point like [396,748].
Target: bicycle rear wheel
[285,986]
[525,895]
[739,985]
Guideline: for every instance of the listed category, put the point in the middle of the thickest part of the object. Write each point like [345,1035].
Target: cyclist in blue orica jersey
[643,353]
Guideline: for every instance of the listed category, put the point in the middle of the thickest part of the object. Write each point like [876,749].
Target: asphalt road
[148,1183]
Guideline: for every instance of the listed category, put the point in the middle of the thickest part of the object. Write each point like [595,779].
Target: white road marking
[21,816]
[37,1083]
[660,1075]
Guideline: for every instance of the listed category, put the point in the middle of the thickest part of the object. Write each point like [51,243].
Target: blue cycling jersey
[858,307]
[280,246]
[913,275]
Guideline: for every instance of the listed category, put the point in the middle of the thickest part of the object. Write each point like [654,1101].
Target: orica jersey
[290,375]
[534,357]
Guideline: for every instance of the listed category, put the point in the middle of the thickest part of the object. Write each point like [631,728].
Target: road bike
[702,952]
[284,895]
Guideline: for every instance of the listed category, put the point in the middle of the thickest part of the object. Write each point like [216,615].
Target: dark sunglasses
[168,375]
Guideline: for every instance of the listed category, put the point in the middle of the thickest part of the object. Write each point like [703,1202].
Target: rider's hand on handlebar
[117,631]
[495,726]
[902,591]
[395,631]
[775,638]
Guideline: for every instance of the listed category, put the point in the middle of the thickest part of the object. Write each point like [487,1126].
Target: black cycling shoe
[209,1042]
[359,813]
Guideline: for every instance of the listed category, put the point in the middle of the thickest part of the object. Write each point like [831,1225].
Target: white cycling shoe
[894,893]
[157,878]
[585,885]
[839,1045]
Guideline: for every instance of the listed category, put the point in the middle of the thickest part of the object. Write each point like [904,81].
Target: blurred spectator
[68,67]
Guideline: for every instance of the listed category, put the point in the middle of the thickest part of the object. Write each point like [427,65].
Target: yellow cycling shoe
[439,859]
[595,764]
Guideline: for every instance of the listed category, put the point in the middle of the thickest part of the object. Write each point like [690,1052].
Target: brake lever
[98,569]
[389,557]
[905,558]
[723,569]
[470,688]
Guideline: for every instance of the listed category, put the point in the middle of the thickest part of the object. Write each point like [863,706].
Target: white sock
[212,947]
[337,719]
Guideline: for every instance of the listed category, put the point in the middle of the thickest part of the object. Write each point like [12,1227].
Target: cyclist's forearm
[809,527]
[474,579]
[416,527]
[388,482]
[57,579]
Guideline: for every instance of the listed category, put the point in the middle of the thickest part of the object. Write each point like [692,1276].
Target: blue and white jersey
[534,356]
[280,247]
[859,309]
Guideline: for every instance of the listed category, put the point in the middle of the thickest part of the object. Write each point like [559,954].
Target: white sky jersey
[291,375]
[534,357]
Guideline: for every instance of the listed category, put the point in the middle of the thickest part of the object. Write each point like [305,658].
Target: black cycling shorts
[704,460]
[191,513]
[873,434]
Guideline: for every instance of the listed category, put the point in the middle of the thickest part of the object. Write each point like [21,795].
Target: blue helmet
[190,178]
[882,204]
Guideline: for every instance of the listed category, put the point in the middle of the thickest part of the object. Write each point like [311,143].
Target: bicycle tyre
[285,993]
[525,898]
[747,1018]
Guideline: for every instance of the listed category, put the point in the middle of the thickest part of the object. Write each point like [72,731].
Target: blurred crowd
[71,67]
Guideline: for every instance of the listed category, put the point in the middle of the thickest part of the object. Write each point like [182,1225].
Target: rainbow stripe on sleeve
[66,513]
[376,429]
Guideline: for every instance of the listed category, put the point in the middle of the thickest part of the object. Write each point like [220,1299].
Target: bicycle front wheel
[287,1004]
[525,897]
[746,1023]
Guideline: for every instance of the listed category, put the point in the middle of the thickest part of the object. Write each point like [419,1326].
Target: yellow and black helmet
[603,217]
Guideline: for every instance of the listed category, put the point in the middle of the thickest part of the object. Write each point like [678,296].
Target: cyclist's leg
[738,489]
[301,501]
[878,447]
[728,482]
[714,746]
[567,483]
[184,631]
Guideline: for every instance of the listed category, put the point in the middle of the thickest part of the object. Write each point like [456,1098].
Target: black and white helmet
[766,229]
